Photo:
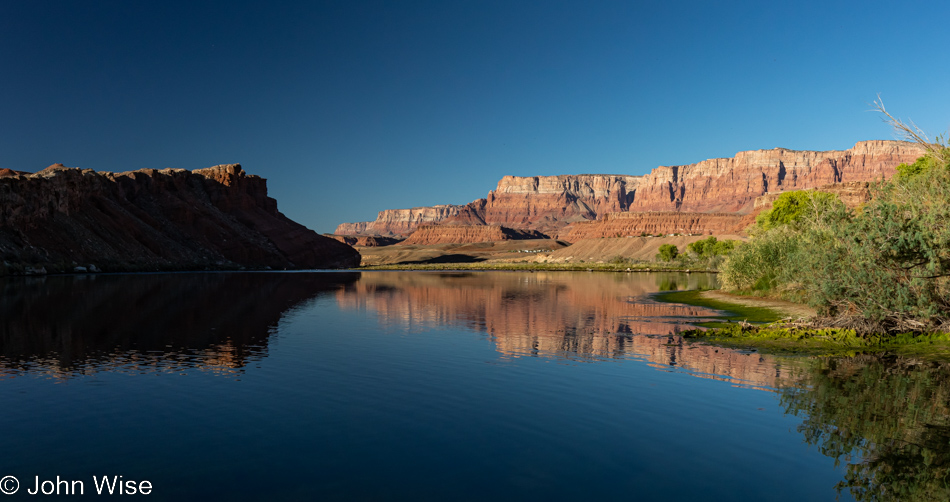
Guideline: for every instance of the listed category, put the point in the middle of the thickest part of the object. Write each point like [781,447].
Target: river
[440,386]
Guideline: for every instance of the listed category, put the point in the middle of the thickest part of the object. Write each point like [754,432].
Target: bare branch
[910,132]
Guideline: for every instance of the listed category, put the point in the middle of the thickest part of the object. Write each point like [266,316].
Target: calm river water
[439,386]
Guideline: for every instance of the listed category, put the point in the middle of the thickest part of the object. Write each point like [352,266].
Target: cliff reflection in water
[577,316]
[63,325]
[887,419]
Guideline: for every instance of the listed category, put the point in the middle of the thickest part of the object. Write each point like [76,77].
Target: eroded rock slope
[170,219]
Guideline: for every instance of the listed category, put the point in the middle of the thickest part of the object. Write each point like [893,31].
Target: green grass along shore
[762,328]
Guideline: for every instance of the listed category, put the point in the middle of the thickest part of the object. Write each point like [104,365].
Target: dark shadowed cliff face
[172,219]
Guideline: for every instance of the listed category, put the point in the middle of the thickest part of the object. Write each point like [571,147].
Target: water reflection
[67,325]
[574,316]
[887,418]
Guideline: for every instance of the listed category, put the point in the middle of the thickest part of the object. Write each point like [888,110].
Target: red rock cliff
[459,234]
[546,203]
[732,185]
[652,223]
[549,203]
[542,203]
[218,217]
[398,222]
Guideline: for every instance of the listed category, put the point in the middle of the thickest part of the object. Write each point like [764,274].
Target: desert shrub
[668,252]
[890,264]
[710,247]
[708,253]
[763,262]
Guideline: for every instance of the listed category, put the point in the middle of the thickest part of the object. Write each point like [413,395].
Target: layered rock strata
[654,223]
[728,185]
[546,203]
[170,219]
[732,185]
[853,194]
[542,203]
[461,234]
[398,223]
[369,241]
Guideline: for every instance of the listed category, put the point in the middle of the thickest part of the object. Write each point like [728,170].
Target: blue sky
[351,107]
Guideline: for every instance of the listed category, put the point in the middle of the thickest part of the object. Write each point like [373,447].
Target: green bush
[889,264]
[708,253]
[710,247]
[763,262]
[797,207]
[668,252]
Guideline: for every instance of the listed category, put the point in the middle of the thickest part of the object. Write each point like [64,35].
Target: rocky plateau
[70,219]
[711,196]
[462,234]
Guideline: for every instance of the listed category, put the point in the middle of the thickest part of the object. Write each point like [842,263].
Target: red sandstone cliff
[652,223]
[853,194]
[546,203]
[461,234]
[398,222]
[541,203]
[634,223]
[369,241]
[550,203]
[732,185]
[219,218]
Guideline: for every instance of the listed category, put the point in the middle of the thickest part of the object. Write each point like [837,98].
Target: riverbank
[778,327]
[536,266]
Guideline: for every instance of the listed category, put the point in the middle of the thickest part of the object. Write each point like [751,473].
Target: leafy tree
[668,252]
[710,247]
[699,247]
[887,266]
[796,207]
[919,167]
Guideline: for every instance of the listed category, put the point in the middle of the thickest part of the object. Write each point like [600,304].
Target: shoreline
[547,267]
[788,309]
[761,324]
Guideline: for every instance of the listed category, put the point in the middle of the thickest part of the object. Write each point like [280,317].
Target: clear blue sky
[351,107]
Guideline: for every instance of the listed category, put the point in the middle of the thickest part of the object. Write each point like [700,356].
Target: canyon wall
[546,203]
[463,234]
[729,185]
[398,223]
[172,219]
[635,223]
[652,223]
[542,203]
[853,194]
[369,241]
[732,185]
